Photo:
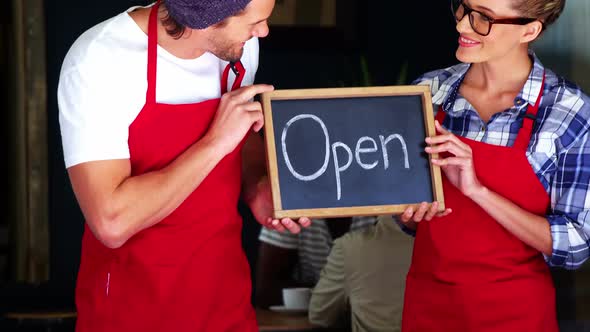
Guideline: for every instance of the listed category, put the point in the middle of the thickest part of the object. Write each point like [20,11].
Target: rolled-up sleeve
[570,197]
[570,240]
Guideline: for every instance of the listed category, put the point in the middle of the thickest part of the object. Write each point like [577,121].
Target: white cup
[296,298]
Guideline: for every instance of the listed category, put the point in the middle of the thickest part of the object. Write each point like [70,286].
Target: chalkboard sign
[350,151]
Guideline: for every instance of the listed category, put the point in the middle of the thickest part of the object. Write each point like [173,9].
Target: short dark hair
[177,30]
[173,28]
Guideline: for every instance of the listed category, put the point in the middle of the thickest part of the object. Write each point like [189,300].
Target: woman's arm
[531,229]
[564,236]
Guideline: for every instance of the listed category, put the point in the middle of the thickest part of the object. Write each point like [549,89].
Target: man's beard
[228,52]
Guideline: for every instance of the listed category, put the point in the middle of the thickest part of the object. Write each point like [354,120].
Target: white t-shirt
[103,83]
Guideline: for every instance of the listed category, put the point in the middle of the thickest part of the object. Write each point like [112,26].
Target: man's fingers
[292,226]
[257,120]
[304,221]
[247,93]
[276,225]
[254,112]
[252,106]
[287,224]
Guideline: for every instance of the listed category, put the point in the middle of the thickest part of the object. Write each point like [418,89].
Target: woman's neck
[508,74]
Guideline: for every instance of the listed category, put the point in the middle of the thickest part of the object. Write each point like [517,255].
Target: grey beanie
[200,14]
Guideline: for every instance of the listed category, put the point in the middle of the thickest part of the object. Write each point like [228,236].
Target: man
[157,168]
[295,260]
[363,282]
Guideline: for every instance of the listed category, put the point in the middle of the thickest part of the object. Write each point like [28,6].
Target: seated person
[363,281]
[295,260]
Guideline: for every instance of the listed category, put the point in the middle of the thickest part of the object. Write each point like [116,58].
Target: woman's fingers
[445,136]
[440,139]
[407,215]
[424,211]
[440,128]
[446,212]
[420,212]
[450,147]
[431,212]
[454,161]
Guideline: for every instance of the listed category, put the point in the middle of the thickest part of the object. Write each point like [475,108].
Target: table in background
[39,321]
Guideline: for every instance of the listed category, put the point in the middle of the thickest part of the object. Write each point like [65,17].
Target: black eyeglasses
[480,22]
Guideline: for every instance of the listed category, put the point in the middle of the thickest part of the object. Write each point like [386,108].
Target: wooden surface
[29,161]
[40,315]
[277,321]
[268,321]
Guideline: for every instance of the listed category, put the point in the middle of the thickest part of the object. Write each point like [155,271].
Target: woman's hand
[424,212]
[459,167]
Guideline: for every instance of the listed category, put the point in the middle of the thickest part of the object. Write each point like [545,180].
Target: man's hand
[235,116]
[261,206]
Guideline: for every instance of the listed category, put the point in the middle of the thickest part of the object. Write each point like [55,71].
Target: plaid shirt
[559,149]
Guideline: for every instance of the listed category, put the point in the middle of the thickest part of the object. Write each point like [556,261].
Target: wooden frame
[386,91]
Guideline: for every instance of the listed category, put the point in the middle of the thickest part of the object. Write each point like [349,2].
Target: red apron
[468,273]
[188,272]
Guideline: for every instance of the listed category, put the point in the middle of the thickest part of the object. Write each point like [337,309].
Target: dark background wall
[7,134]
[389,34]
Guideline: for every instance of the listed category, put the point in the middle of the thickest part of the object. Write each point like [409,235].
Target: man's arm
[253,166]
[256,191]
[117,205]
[274,271]
[329,299]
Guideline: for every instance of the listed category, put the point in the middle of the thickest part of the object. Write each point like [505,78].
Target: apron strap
[440,115]
[152,54]
[528,121]
[238,70]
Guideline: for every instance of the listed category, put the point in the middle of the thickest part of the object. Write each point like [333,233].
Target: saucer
[282,308]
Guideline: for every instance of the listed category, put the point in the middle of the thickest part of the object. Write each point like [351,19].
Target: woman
[512,145]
